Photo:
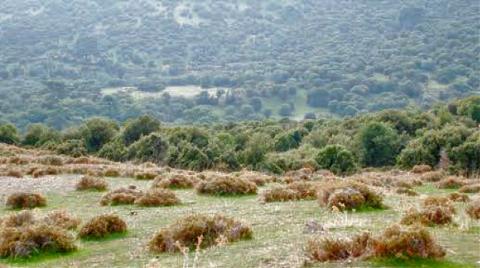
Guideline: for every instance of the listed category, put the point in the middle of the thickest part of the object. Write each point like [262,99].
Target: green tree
[337,159]
[39,134]
[141,126]
[97,132]
[151,148]
[380,144]
[9,134]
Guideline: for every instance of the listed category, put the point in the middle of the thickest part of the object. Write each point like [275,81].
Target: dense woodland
[265,59]
[447,136]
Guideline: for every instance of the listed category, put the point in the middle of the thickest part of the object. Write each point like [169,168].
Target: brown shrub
[91,183]
[174,182]
[111,172]
[440,202]
[304,190]
[421,169]
[279,194]
[50,160]
[428,216]
[121,196]
[471,188]
[404,184]
[26,200]
[157,197]
[450,182]
[412,242]
[224,185]
[102,226]
[334,249]
[145,175]
[16,173]
[456,197]
[185,232]
[22,218]
[40,172]
[473,209]
[62,219]
[34,239]
[433,176]
[348,196]
[406,191]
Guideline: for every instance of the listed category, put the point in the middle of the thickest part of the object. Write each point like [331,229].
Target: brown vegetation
[157,197]
[433,176]
[473,209]
[145,175]
[457,197]
[225,185]
[121,196]
[25,200]
[419,169]
[348,196]
[91,183]
[470,188]
[102,226]
[177,181]
[451,182]
[185,232]
[62,219]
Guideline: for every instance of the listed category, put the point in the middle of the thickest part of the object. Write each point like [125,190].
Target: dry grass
[40,172]
[406,191]
[432,176]
[121,196]
[62,219]
[473,209]
[92,183]
[224,185]
[25,200]
[470,188]
[50,160]
[111,172]
[428,216]
[186,231]
[451,182]
[16,173]
[349,196]
[420,169]
[394,242]
[457,197]
[145,175]
[157,197]
[102,226]
[15,220]
[279,194]
[177,181]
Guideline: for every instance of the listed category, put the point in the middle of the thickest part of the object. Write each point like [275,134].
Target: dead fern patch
[16,173]
[473,209]
[157,197]
[177,181]
[458,197]
[471,188]
[121,196]
[419,169]
[225,185]
[406,191]
[145,175]
[23,200]
[279,194]
[186,231]
[432,176]
[103,226]
[92,183]
[349,196]
[62,219]
[451,182]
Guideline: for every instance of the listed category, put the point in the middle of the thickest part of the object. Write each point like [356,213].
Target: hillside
[213,61]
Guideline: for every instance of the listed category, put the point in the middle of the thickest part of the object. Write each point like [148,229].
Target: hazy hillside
[203,61]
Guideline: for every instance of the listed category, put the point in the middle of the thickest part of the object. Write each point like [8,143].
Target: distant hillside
[219,60]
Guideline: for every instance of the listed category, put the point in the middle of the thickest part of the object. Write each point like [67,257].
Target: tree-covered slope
[203,61]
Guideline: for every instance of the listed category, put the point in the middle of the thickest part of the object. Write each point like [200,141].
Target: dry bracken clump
[14,173]
[26,200]
[102,226]
[394,242]
[15,220]
[471,188]
[26,241]
[157,197]
[40,172]
[62,219]
[439,201]
[111,172]
[177,181]
[224,185]
[186,231]
[348,196]
[91,183]
[473,209]
[121,196]
[50,160]
[145,175]
[432,176]
[406,191]
[279,194]
[451,182]
[428,216]
[419,169]
[457,197]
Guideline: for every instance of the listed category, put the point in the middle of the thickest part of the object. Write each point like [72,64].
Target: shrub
[439,201]
[102,226]
[62,219]
[429,216]
[51,160]
[419,169]
[26,200]
[471,188]
[139,127]
[187,230]
[75,148]
[145,175]
[27,241]
[40,172]
[22,218]
[149,148]
[304,190]
[177,181]
[399,242]
[97,132]
[91,183]
[14,173]
[473,209]
[224,185]
[348,196]
[336,159]
[433,176]
[157,197]
[380,144]
[406,191]
[121,196]
[450,183]
[334,249]
[279,194]
[111,172]
[456,197]
[9,134]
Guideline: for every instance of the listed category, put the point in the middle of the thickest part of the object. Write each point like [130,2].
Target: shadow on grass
[109,237]
[418,262]
[40,257]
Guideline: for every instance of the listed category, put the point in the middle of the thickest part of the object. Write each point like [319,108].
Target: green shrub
[9,134]
[139,127]
[336,159]
[379,143]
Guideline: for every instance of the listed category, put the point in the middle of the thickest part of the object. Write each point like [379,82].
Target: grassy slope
[278,232]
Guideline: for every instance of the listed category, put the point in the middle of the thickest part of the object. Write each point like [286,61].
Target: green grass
[418,263]
[278,231]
